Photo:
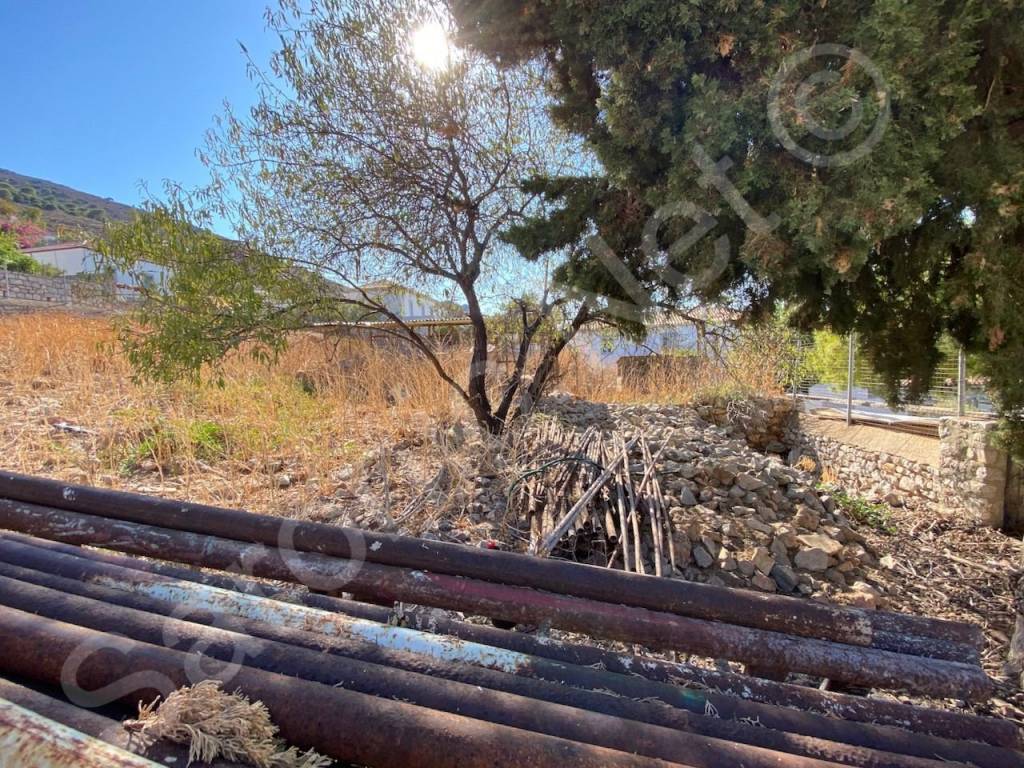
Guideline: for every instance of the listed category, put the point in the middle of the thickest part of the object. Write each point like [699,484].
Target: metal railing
[854,382]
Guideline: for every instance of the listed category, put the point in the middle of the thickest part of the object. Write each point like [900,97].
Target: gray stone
[779,549]
[711,543]
[749,482]
[686,497]
[763,583]
[806,517]
[836,577]
[757,525]
[785,577]
[763,560]
[813,559]
[724,473]
[821,541]
[702,556]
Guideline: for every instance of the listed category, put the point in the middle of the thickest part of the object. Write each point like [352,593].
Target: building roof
[54,247]
[712,315]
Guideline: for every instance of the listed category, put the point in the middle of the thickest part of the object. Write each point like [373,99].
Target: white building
[77,259]
[407,303]
[667,333]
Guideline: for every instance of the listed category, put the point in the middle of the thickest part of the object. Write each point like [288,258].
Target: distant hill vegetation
[62,210]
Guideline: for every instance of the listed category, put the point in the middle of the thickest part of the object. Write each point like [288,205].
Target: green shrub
[13,260]
[877,516]
[169,443]
[207,439]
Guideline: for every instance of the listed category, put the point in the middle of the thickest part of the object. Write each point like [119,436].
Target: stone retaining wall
[764,422]
[962,472]
[974,470]
[20,292]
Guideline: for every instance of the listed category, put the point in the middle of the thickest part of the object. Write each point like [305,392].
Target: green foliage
[918,239]
[167,442]
[13,260]
[219,294]
[877,516]
[827,358]
[826,361]
[207,439]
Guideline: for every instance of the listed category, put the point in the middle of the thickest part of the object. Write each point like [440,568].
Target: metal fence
[851,382]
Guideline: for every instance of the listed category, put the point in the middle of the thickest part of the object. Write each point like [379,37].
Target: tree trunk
[476,389]
[515,380]
[547,363]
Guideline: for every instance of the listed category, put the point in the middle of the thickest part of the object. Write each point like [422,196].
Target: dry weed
[216,724]
[744,371]
[273,437]
[333,429]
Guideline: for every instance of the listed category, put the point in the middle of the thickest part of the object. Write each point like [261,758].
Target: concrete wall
[70,261]
[609,347]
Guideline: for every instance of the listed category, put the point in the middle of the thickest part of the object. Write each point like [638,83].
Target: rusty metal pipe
[865,666]
[553,709]
[933,648]
[103,728]
[633,691]
[839,707]
[344,725]
[237,582]
[785,614]
[29,740]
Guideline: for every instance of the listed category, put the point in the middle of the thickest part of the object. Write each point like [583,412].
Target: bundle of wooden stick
[595,497]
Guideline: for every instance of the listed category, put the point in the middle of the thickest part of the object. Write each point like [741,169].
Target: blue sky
[102,95]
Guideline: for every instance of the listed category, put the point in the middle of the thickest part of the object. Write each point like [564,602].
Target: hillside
[62,209]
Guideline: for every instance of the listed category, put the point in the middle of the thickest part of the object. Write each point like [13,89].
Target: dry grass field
[278,437]
[333,427]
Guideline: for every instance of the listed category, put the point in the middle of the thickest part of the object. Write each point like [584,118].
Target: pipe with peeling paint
[559,676]
[29,740]
[707,742]
[786,614]
[342,724]
[865,666]
[103,728]
[839,707]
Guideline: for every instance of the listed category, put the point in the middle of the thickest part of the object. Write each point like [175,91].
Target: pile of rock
[742,517]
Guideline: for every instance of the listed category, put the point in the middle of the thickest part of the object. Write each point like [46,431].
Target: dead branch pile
[595,497]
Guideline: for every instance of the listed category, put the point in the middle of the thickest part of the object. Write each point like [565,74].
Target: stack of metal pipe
[401,684]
